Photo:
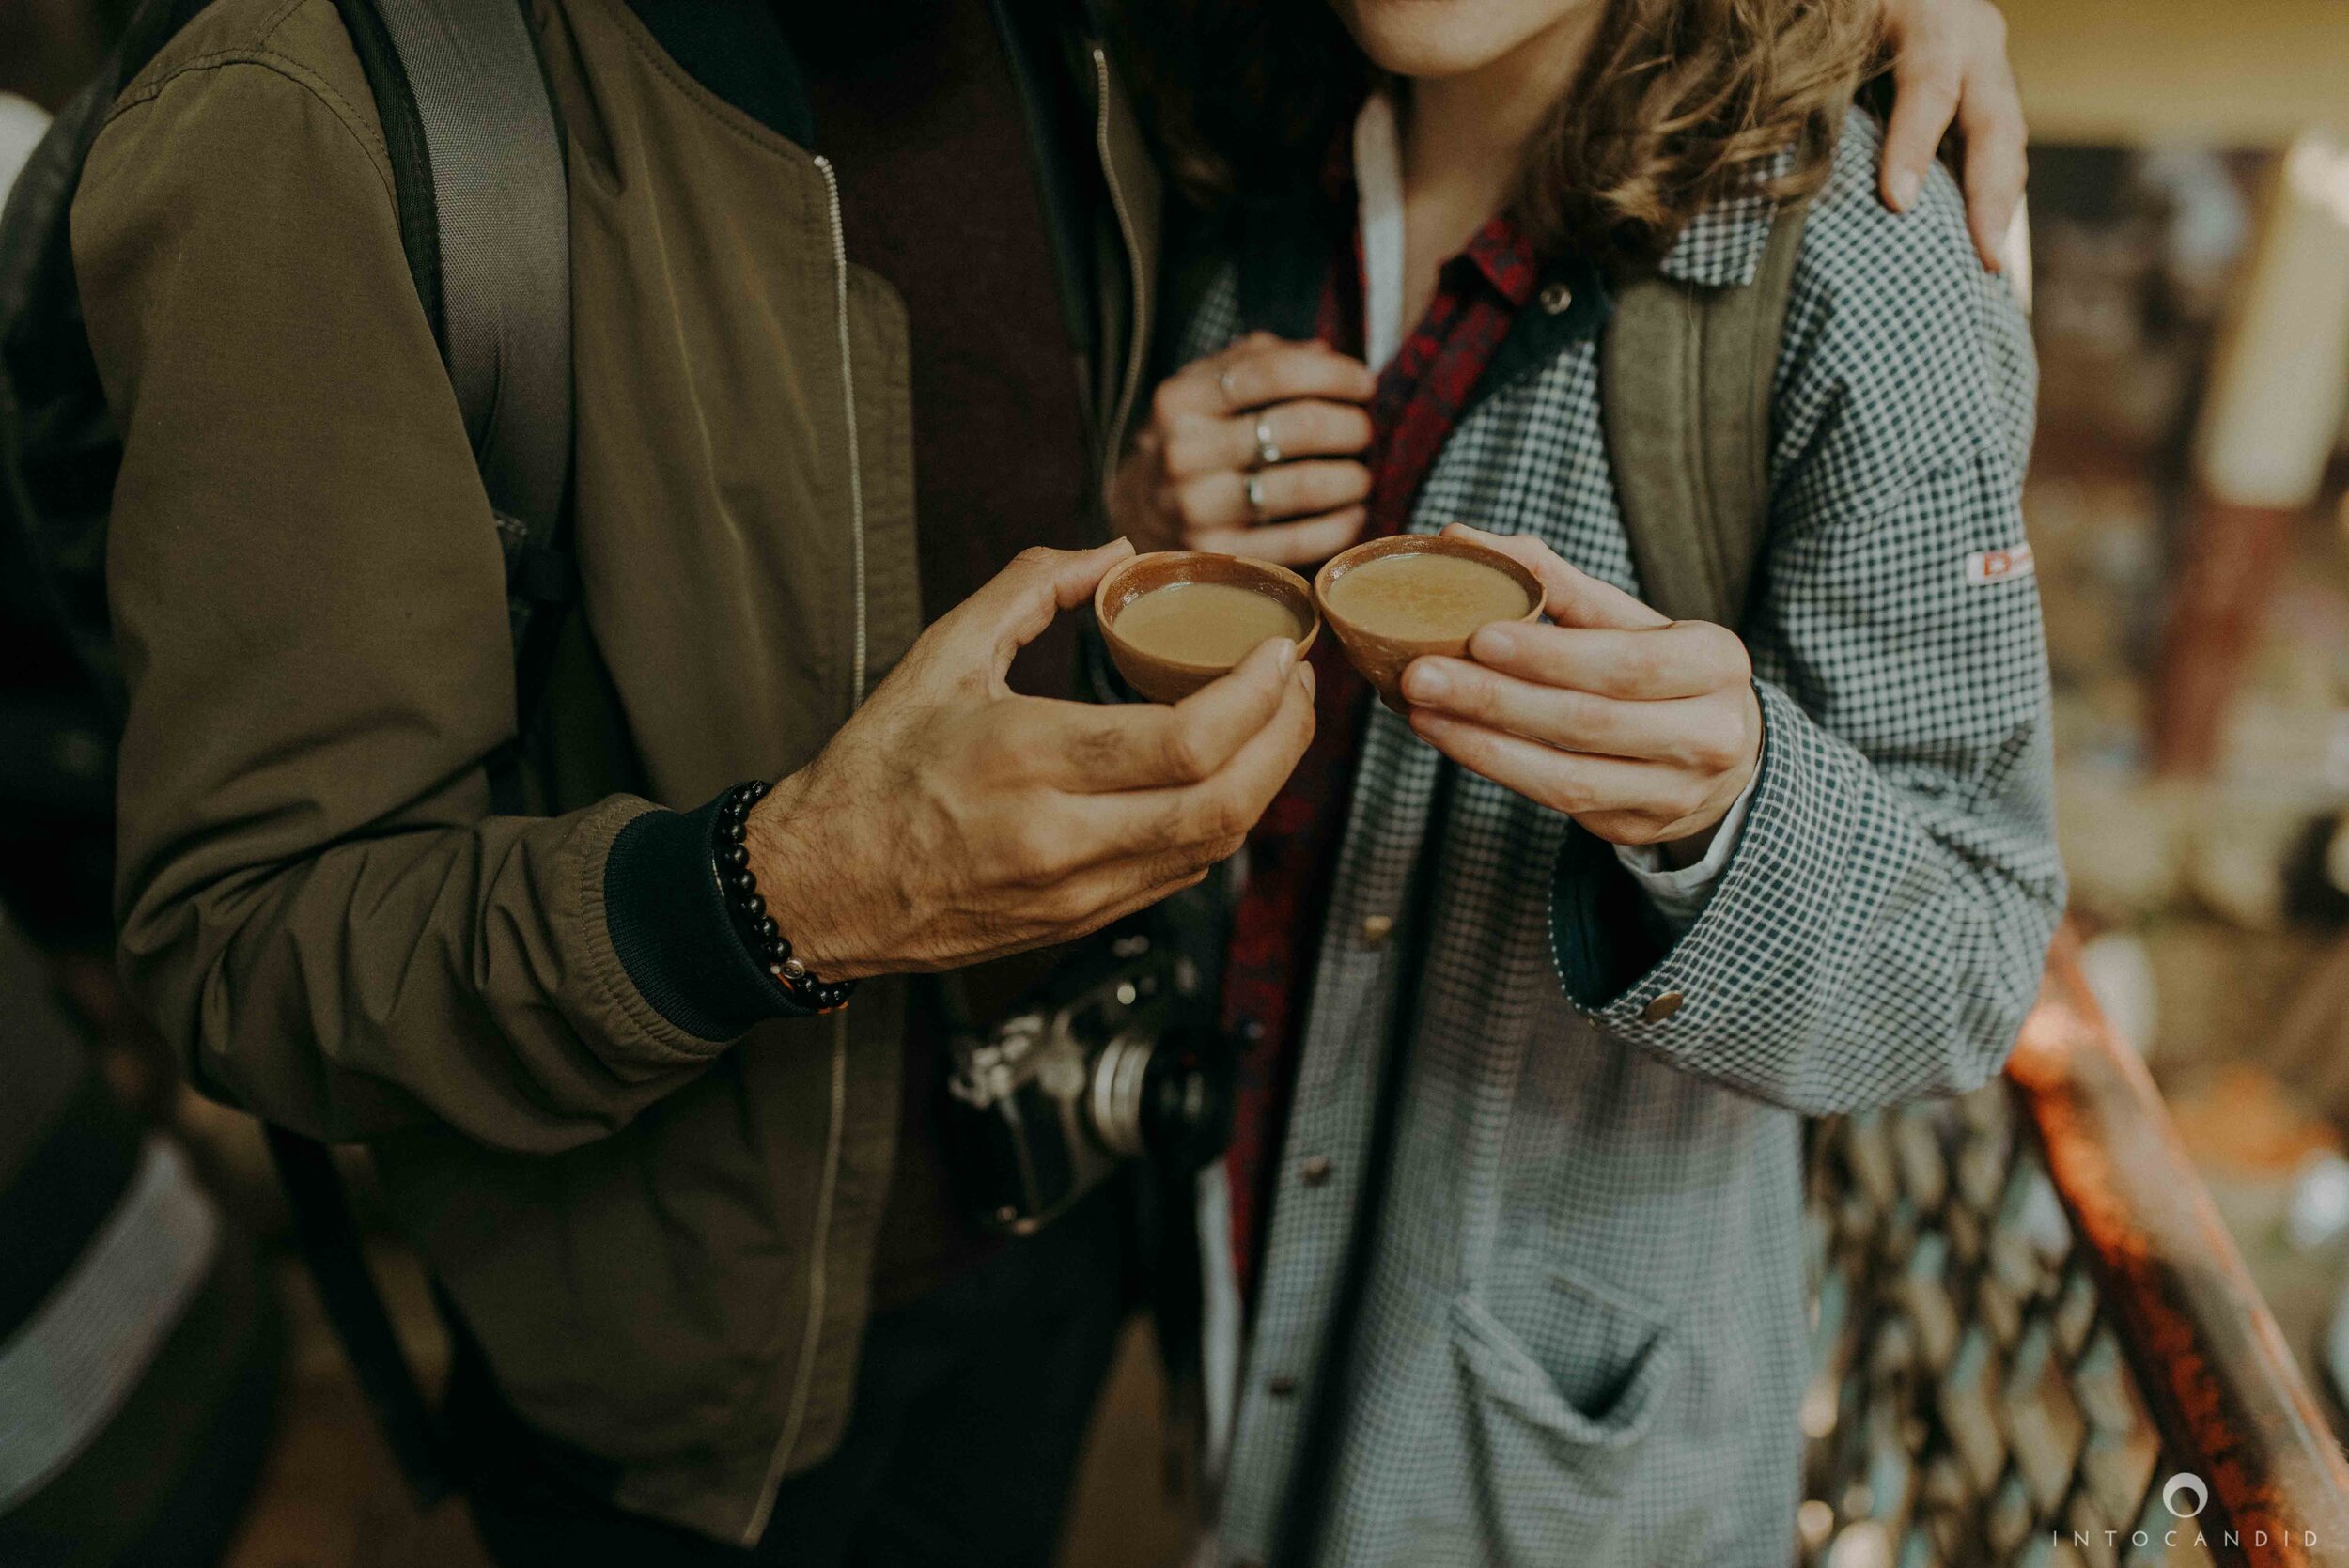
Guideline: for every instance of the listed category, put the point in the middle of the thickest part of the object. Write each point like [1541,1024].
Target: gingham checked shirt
[1533,1291]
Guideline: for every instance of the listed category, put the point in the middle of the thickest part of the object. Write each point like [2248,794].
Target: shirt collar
[1505,258]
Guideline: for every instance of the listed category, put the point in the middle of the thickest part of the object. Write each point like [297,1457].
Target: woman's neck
[1464,139]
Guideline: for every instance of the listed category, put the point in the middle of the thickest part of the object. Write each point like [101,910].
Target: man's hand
[1949,64]
[1186,485]
[951,821]
[1642,729]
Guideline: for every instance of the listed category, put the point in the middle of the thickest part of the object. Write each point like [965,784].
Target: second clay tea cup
[1410,595]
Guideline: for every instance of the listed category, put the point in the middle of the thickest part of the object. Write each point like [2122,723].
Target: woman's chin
[1430,39]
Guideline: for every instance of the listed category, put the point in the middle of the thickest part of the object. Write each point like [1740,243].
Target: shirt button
[1663,1007]
[1315,1170]
[1555,298]
[1377,929]
[1281,1387]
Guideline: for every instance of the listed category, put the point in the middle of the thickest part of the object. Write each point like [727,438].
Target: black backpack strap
[1686,378]
[337,1258]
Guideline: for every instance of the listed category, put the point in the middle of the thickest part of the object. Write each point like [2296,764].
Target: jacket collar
[1572,302]
[1723,246]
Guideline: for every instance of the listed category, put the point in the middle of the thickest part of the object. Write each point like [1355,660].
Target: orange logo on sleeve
[1996,565]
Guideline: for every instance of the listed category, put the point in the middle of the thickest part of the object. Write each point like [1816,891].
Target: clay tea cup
[1200,614]
[1423,593]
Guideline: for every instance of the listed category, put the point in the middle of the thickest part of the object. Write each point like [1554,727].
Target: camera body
[1115,1058]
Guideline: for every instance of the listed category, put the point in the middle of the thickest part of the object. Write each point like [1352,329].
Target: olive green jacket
[651,1200]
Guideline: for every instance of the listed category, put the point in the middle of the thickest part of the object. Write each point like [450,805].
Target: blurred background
[2190,213]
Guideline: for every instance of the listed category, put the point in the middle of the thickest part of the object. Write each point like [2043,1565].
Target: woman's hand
[1642,729]
[1949,64]
[1253,451]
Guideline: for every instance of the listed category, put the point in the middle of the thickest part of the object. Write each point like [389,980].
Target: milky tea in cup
[1206,623]
[1424,597]
[1176,619]
[1409,596]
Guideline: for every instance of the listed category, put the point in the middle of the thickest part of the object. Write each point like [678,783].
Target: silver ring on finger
[1255,496]
[1268,450]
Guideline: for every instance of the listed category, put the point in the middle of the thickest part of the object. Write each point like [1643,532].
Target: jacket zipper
[803,1383]
[1133,251]
[848,393]
[805,1379]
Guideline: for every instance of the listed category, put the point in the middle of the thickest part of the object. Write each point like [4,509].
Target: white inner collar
[1378,179]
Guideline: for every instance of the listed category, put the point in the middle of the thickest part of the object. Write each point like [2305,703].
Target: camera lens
[1187,1100]
[1169,1097]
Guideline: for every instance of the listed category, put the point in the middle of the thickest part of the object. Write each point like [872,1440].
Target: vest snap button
[1555,298]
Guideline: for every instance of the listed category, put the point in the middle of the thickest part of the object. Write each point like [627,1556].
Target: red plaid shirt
[1292,853]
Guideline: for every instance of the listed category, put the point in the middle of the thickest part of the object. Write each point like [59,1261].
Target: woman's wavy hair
[1679,104]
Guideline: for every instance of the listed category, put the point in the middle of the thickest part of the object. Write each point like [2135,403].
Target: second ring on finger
[1299,488]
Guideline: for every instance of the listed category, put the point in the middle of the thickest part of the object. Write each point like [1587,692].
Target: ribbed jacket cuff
[666,916]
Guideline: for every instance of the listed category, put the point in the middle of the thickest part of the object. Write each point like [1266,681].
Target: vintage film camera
[1117,1057]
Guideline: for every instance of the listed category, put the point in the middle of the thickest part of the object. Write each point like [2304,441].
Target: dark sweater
[917,107]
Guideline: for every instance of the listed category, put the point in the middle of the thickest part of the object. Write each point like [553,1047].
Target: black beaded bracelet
[748,909]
